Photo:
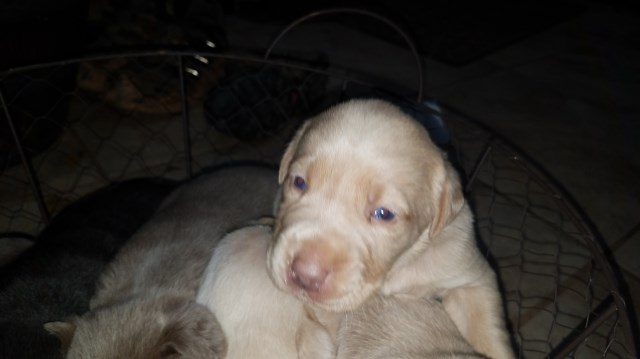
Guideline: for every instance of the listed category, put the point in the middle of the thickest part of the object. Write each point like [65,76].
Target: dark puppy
[12,245]
[56,277]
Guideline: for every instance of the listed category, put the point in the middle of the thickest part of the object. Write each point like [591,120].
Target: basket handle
[370,14]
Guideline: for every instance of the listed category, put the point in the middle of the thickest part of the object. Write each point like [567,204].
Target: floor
[566,96]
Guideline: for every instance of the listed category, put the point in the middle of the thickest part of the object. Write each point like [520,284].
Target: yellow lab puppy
[369,204]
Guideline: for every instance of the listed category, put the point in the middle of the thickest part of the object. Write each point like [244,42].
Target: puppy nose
[308,274]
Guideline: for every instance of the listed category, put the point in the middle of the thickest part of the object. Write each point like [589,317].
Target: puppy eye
[383,214]
[299,183]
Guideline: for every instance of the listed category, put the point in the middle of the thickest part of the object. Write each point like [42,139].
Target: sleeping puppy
[258,319]
[144,306]
[56,276]
[370,204]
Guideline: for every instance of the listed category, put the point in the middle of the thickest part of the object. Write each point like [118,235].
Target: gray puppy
[144,306]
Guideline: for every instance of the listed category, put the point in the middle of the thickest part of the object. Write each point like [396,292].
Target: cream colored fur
[401,328]
[355,158]
[259,320]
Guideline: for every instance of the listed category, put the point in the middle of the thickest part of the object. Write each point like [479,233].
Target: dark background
[453,32]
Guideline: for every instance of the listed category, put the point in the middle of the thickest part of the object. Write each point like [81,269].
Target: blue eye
[299,183]
[383,214]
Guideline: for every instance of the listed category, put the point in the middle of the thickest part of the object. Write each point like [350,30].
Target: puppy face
[164,327]
[361,184]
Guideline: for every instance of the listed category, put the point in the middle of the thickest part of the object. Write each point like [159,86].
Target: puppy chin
[345,302]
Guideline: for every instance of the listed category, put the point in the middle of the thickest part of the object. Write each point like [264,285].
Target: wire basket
[71,127]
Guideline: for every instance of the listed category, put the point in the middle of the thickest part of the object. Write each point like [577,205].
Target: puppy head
[362,184]
[163,327]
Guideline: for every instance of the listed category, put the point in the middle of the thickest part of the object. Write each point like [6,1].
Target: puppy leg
[477,313]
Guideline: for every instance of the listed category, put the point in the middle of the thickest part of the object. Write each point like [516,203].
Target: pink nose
[308,274]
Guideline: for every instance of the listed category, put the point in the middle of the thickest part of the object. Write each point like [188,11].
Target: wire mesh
[551,272]
[84,124]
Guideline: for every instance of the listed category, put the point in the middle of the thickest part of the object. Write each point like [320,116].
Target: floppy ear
[404,275]
[192,331]
[64,331]
[450,200]
[291,151]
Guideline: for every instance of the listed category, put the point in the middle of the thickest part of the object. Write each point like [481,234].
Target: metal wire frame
[616,304]
[407,39]
[179,57]
[26,163]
